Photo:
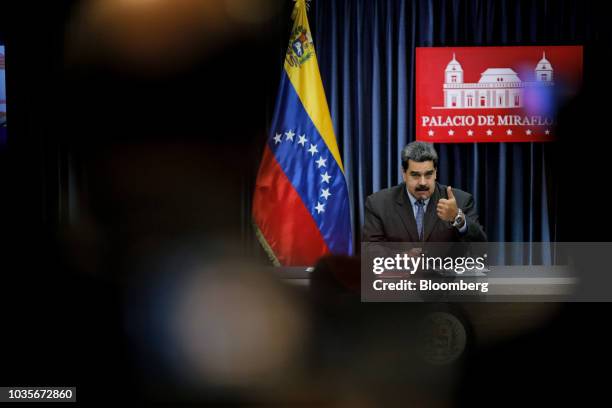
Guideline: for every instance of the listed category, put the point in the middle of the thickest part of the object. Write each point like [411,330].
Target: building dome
[454,66]
[544,64]
[544,70]
[453,73]
[497,75]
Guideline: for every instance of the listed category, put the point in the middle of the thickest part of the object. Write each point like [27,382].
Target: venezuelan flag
[301,205]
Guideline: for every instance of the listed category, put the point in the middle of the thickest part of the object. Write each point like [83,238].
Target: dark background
[108,164]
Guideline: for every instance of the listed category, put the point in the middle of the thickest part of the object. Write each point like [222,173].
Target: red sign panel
[493,94]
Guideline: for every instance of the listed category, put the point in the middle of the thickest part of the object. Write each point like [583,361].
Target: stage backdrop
[366,53]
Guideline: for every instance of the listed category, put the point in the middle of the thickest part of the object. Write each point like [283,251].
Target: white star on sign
[528,132]
[451,132]
[302,140]
[325,178]
[325,193]
[290,135]
[547,132]
[313,149]
[277,138]
[489,132]
[430,133]
[321,162]
[320,208]
[508,132]
[470,132]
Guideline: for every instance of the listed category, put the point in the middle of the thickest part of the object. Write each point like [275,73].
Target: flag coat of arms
[301,205]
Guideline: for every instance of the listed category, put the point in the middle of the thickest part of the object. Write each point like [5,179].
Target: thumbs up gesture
[447,208]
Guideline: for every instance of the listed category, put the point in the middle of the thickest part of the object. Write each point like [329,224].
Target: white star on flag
[277,138]
[508,132]
[321,162]
[547,132]
[313,149]
[430,133]
[290,135]
[528,132]
[325,178]
[320,208]
[325,193]
[470,132]
[451,132]
[489,132]
[302,140]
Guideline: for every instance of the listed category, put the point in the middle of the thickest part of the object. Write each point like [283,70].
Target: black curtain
[366,53]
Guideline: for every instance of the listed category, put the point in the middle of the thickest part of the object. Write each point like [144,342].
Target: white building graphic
[497,87]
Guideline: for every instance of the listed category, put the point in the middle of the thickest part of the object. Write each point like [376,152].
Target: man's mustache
[422,188]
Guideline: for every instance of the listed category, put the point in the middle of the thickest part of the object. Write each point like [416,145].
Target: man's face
[420,177]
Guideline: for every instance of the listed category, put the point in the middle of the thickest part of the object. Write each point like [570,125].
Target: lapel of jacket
[404,210]
[431,215]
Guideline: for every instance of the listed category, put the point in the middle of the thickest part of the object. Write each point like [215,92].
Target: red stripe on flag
[282,217]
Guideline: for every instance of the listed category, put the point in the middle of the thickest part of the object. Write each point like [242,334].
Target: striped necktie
[419,217]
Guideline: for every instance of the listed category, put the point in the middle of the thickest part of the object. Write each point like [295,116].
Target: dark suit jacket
[389,217]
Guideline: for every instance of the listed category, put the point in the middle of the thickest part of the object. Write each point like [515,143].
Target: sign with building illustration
[493,94]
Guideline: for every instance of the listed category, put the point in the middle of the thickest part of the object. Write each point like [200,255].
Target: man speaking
[420,209]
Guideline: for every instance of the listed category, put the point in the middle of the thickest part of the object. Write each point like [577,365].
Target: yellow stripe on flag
[303,72]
